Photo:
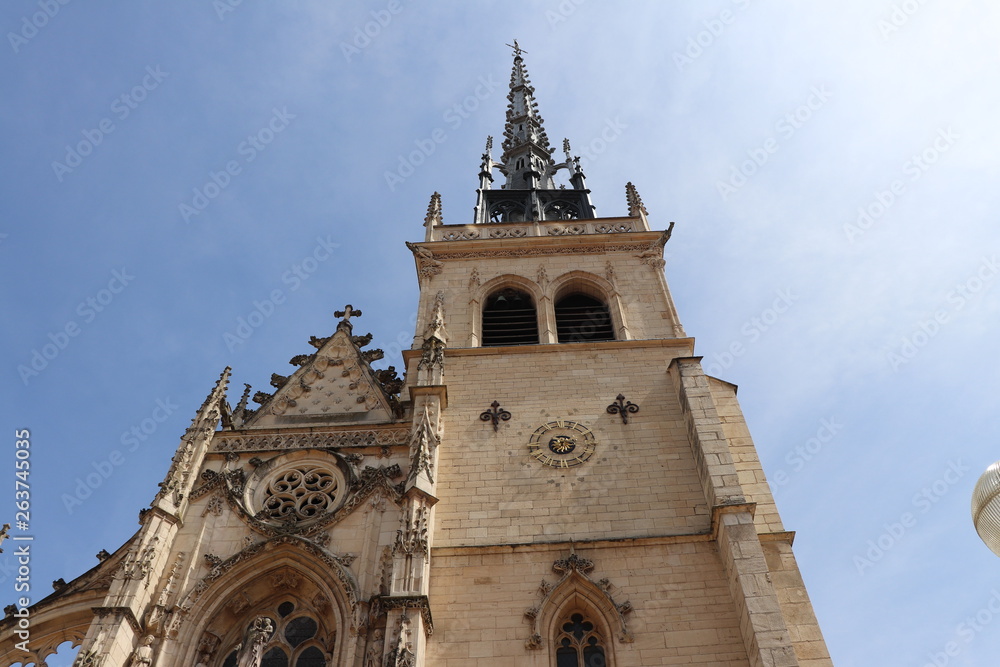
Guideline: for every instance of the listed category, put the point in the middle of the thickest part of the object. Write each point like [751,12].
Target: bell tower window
[509,318]
[582,318]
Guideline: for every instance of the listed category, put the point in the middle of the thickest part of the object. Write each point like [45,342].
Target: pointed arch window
[561,210]
[507,211]
[290,638]
[509,318]
[583,318]
[579,644]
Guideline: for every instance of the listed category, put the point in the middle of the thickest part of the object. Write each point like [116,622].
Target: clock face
[562,444]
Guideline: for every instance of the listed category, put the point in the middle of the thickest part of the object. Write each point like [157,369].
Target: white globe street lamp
[986,507]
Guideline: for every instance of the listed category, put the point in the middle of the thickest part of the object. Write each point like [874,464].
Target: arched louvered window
[580,318]
[578,644]
[509,318]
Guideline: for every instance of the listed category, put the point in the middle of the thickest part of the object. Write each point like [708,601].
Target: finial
[489,144]
[347,313]
[635,205]
[517,49]
[433,216]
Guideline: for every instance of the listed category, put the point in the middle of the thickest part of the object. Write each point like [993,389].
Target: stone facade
[594,501]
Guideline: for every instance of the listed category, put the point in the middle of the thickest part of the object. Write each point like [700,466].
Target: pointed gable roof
[336,384]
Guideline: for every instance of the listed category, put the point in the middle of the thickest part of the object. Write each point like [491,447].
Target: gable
[336,384]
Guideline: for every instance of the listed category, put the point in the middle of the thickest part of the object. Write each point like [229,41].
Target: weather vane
[517,49]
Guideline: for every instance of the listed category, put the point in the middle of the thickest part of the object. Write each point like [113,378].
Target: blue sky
[831,169]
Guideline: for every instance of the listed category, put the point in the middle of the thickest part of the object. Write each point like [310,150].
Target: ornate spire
[526,149]
[529,191]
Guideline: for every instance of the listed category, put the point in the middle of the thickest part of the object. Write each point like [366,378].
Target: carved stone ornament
[539,251]
[304,494]
[251,649]
[248,442]
[652,255]
[402,654]
[424,441]
[373,654]
[427,266]
[88,658]
[381,604]
[143,656]
[206,647]
[285,579]
[575,572]
[432,355]
[411,538]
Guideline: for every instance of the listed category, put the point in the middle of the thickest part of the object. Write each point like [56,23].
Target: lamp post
[986,507]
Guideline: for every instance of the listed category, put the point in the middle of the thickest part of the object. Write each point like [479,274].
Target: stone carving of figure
[373,657]
[143,656]
[251,650]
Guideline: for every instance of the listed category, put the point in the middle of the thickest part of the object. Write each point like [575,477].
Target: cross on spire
[517,49]
[347,313]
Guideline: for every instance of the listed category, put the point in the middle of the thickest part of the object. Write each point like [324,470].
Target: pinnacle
[634,201]
[434,211]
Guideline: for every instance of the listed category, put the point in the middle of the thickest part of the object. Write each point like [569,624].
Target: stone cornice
[654,540]
[687,344]
[526,246]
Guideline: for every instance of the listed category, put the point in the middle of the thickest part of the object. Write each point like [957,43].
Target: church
[553,481]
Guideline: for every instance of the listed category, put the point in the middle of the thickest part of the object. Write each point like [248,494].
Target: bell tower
[599,500]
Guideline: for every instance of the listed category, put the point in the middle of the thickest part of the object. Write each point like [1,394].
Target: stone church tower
[554,483]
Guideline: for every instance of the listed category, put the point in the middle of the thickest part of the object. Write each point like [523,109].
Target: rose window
[299,494]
